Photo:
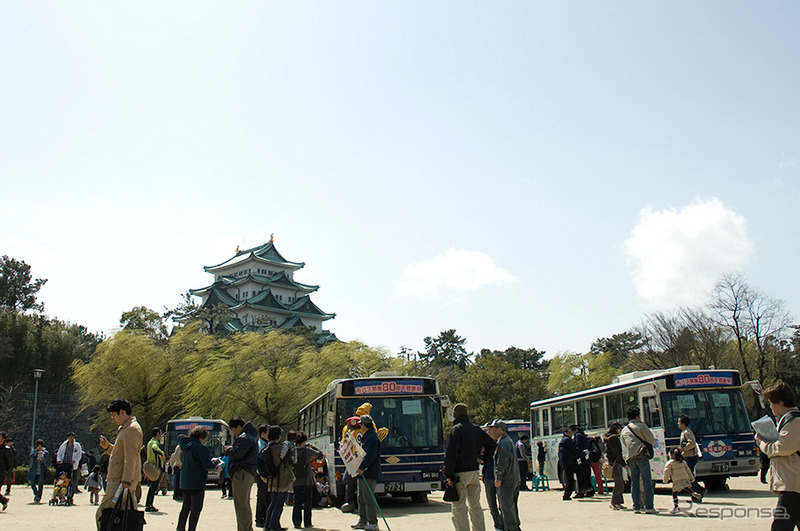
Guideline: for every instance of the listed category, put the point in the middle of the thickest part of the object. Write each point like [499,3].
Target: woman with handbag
[196,463]
[616,462]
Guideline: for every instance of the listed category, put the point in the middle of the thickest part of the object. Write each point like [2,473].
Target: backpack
[594,452]
[268,467]
[648,448]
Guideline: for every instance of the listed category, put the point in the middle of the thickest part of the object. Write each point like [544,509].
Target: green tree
[530,359]
[18,288]
[571,372]
[445,350]
[133,366]
[493,388]
[146,321]
[620,346]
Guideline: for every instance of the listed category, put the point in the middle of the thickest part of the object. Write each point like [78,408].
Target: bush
[21,475]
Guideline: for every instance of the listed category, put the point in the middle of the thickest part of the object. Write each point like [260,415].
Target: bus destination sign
[388,387]
[187,426]
[703,379]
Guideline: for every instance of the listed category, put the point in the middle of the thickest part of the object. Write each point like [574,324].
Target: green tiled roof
[263,253]
[304,305]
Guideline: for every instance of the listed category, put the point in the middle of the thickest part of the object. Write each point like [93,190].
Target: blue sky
[536,174]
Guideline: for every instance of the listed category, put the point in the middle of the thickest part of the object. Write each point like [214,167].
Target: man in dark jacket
[465,445]
[370,472]
[568,460]
[584,469]
[243,464]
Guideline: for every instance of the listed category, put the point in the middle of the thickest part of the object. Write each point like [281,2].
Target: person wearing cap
[465,445]
[370,472]
[506,475]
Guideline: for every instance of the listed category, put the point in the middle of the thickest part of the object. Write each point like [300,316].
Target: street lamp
[37,373]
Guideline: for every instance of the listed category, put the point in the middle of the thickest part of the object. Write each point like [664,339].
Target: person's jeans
[303,499]
[640,475]
[190,510]
[367,506]
[787,512]
[275,509]
[692,462]
[469,495]
[491,500]
[506,499]
[37,486]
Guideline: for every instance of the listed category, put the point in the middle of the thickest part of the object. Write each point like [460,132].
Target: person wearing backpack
[275,467]
[596,451]
[784,455]
[638,440]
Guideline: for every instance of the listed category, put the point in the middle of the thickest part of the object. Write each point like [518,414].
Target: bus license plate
[394,486]
[720,467]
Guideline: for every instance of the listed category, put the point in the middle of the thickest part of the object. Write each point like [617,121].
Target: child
[62,484]
[94,482]
[321,491]
[225,478]
[678,471]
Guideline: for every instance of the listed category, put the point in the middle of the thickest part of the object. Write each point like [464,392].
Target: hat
[497,423]
[575,427]
[367,420]
[459,410]
[354,423]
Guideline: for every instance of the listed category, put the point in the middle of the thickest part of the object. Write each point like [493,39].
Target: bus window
[712,412]
[597,414]
[583,413]
[650,412]
[546,422]
[563,416]
[614,408]
[629,398]
[535,422]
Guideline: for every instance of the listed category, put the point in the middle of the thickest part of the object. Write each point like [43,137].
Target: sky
[535,174]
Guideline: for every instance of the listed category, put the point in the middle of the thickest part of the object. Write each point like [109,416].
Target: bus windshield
[216,439]
[712,411]
[412,422]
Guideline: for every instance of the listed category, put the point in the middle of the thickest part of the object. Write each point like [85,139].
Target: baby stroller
[62,488]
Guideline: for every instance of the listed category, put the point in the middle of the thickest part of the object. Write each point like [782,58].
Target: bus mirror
[330,419]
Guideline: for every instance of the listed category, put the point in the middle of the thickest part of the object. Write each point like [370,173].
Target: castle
[258,286]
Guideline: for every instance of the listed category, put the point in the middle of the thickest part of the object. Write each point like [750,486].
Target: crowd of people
[475,456]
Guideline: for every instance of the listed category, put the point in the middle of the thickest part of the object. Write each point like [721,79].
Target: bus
[711,398]
[410,407]
[219,436]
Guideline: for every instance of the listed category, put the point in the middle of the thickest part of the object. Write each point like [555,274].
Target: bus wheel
[419,497]
[716,483]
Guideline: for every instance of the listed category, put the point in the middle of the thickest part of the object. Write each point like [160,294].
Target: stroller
[63,489]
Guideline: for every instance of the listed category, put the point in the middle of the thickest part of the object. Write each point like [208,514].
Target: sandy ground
[724,510]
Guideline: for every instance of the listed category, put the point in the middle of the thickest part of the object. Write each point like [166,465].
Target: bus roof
[631,379]
[196,419]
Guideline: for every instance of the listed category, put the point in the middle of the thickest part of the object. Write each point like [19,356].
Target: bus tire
[716,483]
[419,497]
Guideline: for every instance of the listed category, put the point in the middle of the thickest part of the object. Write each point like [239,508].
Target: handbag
[151,471]
[608,470]
[119,518]
[450,493]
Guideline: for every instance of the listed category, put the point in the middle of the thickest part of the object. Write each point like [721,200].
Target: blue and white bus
[711,398]
[411,408]
[219,436]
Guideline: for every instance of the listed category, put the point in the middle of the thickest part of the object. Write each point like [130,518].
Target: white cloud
[452,272]
[679,254]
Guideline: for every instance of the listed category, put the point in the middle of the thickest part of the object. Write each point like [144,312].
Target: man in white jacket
[69,455]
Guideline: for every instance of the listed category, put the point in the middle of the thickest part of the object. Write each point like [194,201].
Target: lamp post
[37,373]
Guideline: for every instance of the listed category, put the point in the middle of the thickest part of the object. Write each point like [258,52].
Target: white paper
[412,407]
[116,494]
[765,427]
[352,454]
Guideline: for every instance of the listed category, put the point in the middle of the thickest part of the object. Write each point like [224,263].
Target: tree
[619,346]
[144,320]
[493,388]
[446,349]
[530,359]
[571,372]
[133,366]
[17,287]
[730,300]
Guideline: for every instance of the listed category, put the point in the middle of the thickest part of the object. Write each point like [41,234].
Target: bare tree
[730,301]
[768,321]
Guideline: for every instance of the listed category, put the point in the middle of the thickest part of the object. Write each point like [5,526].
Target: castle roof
[266,253]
